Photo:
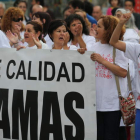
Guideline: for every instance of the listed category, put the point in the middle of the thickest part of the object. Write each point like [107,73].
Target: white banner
[47,95]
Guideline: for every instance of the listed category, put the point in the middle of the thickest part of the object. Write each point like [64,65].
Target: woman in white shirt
[32,35]
[108,108]
[12,20]
[79,33]
[132,51]
[58,33]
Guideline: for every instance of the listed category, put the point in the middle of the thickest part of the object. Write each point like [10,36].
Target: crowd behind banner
[85,28]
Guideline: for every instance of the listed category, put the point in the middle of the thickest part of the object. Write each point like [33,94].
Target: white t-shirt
[89,41]
[131,36]
[4,41]
[133,52]
[49,42]
[106,90]
[44,46]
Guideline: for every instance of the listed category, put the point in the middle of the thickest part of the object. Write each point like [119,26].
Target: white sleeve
[44,45]
[121,60]
[132,51]
[90,41]
[4,42]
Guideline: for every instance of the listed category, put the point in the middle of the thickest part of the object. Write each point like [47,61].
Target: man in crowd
[35,8]
[130,4]
[97,12]
[77,4]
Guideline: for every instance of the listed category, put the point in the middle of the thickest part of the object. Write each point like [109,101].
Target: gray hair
[3,5]
[131,22]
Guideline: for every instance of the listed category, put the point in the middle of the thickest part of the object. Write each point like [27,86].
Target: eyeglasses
[17,20]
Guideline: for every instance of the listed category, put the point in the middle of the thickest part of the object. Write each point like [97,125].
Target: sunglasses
[1,17]
[17,20]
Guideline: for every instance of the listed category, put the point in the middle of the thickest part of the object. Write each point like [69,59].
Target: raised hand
[125,17]
[12,37]
[82,50]
[18,28]
[79,30]
[37,42]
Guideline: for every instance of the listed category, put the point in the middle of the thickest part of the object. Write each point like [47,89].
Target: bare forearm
[81,42]
[117,70]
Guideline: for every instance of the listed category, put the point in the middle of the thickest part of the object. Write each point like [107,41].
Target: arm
[117,70]
[114,41]
[79,37]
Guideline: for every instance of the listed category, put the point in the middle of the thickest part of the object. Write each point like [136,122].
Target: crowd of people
[85,28]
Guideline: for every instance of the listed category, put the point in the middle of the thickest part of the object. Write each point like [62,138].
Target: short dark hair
[17,2]
[88,7]
[132,1]
[46,16]
[73,17]
[119,1]
[37,27]
[54,25]
[77,3]
[65,9]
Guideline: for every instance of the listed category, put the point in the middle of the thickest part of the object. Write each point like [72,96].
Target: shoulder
[72,47]
[91,19]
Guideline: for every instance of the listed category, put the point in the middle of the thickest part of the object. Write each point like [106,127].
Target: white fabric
[48,41]
[106,90]
[4,41]
[44,46]
[131,35]
[89,41]
[133,52]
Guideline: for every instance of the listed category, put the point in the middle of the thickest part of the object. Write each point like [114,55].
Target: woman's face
[74,25]
[58,35]
[100,31]
[17,23]
[22,6]
[118,14]
[114,3]
[37,19]
[29,31]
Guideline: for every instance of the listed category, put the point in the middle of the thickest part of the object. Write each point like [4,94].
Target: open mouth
[61,38]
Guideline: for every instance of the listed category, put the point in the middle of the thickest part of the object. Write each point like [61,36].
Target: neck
[31,44]
[65,47]
[56,46]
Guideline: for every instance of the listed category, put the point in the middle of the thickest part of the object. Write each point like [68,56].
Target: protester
[132,51]
[22,4]
[77,4]
[131,34]
[97,12]
[12,20]
[114,4]
[79,33]
[2,9]
[107,101]
[44,19]
[32,35]
[130,4]
[58,32]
